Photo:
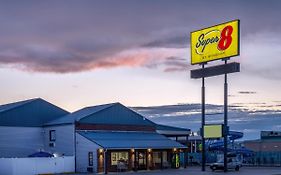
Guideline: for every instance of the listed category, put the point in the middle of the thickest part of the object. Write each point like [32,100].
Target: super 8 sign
[216,42]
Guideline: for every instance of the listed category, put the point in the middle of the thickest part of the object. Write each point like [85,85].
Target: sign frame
[215,59]
[221,134]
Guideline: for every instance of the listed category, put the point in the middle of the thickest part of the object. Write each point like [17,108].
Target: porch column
[135,161]
[105,162]
[185,157]
[161,159]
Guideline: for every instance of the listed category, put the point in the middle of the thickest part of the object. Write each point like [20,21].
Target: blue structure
[99,137]
[130,140]
[41,154]
[29,113]
[217,145]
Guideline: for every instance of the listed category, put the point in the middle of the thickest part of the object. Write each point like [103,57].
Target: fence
[258,159]
[264,159]
[29,166]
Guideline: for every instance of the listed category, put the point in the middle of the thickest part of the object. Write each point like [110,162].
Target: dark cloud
[175,64]
[175,42]
[61,37]
[247,92]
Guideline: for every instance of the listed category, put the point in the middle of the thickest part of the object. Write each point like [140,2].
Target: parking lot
[197,171]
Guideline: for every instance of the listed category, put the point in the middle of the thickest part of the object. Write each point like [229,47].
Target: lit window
[119,157]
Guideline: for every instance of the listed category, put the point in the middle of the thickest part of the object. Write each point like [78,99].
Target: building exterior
[21,126]
[269,141]
[102,138]
[267,149]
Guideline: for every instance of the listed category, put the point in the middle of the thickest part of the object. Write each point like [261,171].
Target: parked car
[232,163]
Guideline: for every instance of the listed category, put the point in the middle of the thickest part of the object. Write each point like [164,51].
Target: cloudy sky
[137,52]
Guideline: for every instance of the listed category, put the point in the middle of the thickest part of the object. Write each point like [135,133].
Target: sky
[137,52]
[249,121]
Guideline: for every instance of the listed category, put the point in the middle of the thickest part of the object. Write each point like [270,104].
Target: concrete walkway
[197,171]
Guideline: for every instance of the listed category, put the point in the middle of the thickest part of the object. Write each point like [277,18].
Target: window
[157,157]
[52,135]
[90,158]
[119,157]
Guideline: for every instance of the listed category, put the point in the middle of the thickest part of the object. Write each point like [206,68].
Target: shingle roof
[127,140]
[33,112]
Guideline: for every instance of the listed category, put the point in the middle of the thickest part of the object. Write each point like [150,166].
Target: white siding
[64,143]
[84,146]
[20,141]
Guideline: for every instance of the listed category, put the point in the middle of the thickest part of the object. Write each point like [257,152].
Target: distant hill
[248,121]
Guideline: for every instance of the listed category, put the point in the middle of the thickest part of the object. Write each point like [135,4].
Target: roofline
[62,124]
[89,139]
[111,104]
[168,126]
[27,102]
[140,115]
[31,101]
[115,148]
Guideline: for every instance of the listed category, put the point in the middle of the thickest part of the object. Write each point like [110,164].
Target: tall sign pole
[225,121]
[209,44]
[203,122]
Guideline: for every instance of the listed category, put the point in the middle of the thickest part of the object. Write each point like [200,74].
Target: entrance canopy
[130,140]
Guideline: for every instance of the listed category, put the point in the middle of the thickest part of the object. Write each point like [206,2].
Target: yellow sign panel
[213,43]
[212,131]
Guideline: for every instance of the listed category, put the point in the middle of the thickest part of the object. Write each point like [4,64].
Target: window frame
[90,158]
[52,135]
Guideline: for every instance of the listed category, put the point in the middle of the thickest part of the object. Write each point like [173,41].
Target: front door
[141,158]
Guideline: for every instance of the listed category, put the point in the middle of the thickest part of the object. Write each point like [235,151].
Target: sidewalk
[197,171]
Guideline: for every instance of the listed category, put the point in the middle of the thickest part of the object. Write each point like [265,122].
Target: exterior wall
[20,141]
[83,147]
[263,146]
[64,143]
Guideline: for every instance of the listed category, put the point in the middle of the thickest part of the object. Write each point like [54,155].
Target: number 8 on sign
[226,39]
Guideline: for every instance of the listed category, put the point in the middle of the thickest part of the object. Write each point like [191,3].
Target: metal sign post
[210,44]
[225,121]
[203,122]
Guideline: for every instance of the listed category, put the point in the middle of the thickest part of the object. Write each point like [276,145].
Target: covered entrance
[134,150]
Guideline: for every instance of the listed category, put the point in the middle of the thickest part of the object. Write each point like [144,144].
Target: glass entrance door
[141,157]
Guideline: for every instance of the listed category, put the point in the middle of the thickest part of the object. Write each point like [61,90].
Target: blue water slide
[218,145]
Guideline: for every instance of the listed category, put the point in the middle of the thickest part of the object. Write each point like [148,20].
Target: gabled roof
[171,128]
[77,115]
[172,131]
[31,113]
[128,140]
[113,113]
[13,105]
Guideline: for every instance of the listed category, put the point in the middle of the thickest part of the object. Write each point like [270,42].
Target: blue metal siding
[117,114]
[126,140]
[33,113]
[77,115]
